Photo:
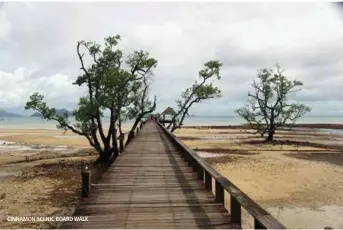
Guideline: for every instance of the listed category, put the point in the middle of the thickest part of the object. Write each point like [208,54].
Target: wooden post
[190,161]
[235,211]
[194,165]
[219,193]
[258,225]
[86,180]
[208,181]
[200,171]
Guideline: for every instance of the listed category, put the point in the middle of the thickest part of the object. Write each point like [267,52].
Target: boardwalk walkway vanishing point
[157,182]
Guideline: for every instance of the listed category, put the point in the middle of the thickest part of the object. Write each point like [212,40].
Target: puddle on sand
[331,131]
[207,154]
[302,217]
[4,174]
[10,147]
[68,137]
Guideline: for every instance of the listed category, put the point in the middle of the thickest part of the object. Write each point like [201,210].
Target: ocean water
[39,123]
[236,120]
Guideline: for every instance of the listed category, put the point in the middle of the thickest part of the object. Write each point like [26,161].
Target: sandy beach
[299,178]
[40,174]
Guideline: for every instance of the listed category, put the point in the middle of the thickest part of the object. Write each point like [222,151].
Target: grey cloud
[315,56]
[304,38]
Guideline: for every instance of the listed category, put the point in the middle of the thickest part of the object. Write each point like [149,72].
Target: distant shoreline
[304,125]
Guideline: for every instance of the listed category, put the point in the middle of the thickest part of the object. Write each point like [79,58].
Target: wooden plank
[262,217]
[151,186]
[151,208]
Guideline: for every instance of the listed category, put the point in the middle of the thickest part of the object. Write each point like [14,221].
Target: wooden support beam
[200,173]
[235,211]
[219,193]
[86,180]
[208,181]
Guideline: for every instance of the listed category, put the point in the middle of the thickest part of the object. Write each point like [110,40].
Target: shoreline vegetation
[44,177]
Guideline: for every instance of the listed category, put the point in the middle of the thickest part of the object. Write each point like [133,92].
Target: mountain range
[4,113]
[59,112]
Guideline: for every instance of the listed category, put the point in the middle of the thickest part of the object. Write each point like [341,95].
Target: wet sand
[42,187]
[44,137]
[299,178]
[40,174]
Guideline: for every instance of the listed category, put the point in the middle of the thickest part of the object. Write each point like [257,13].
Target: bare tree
[268,108]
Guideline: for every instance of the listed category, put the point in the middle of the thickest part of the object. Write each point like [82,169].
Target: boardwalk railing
[238,199]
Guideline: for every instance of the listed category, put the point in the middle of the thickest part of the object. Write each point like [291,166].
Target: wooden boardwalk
[159,183]
[151,186]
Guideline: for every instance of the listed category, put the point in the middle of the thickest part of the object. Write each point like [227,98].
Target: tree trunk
[131,135]
[103,157]
[138,119]
[121,144]
[115,152]
[108,151]
[174,127]
[114,143]
[270,136]
[133,128]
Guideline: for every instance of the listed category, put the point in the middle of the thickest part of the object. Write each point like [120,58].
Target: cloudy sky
[38,48]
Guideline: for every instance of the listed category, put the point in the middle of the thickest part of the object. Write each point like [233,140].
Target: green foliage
[268,108]
[110,85]
[36,103]
[198,92]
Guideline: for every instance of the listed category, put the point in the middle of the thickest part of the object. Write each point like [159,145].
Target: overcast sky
[38,48]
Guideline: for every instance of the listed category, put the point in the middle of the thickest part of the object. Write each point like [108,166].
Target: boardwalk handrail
[238,199]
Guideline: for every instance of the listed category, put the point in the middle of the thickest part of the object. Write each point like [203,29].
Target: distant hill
[36,114]
[59,112]
[3,113]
